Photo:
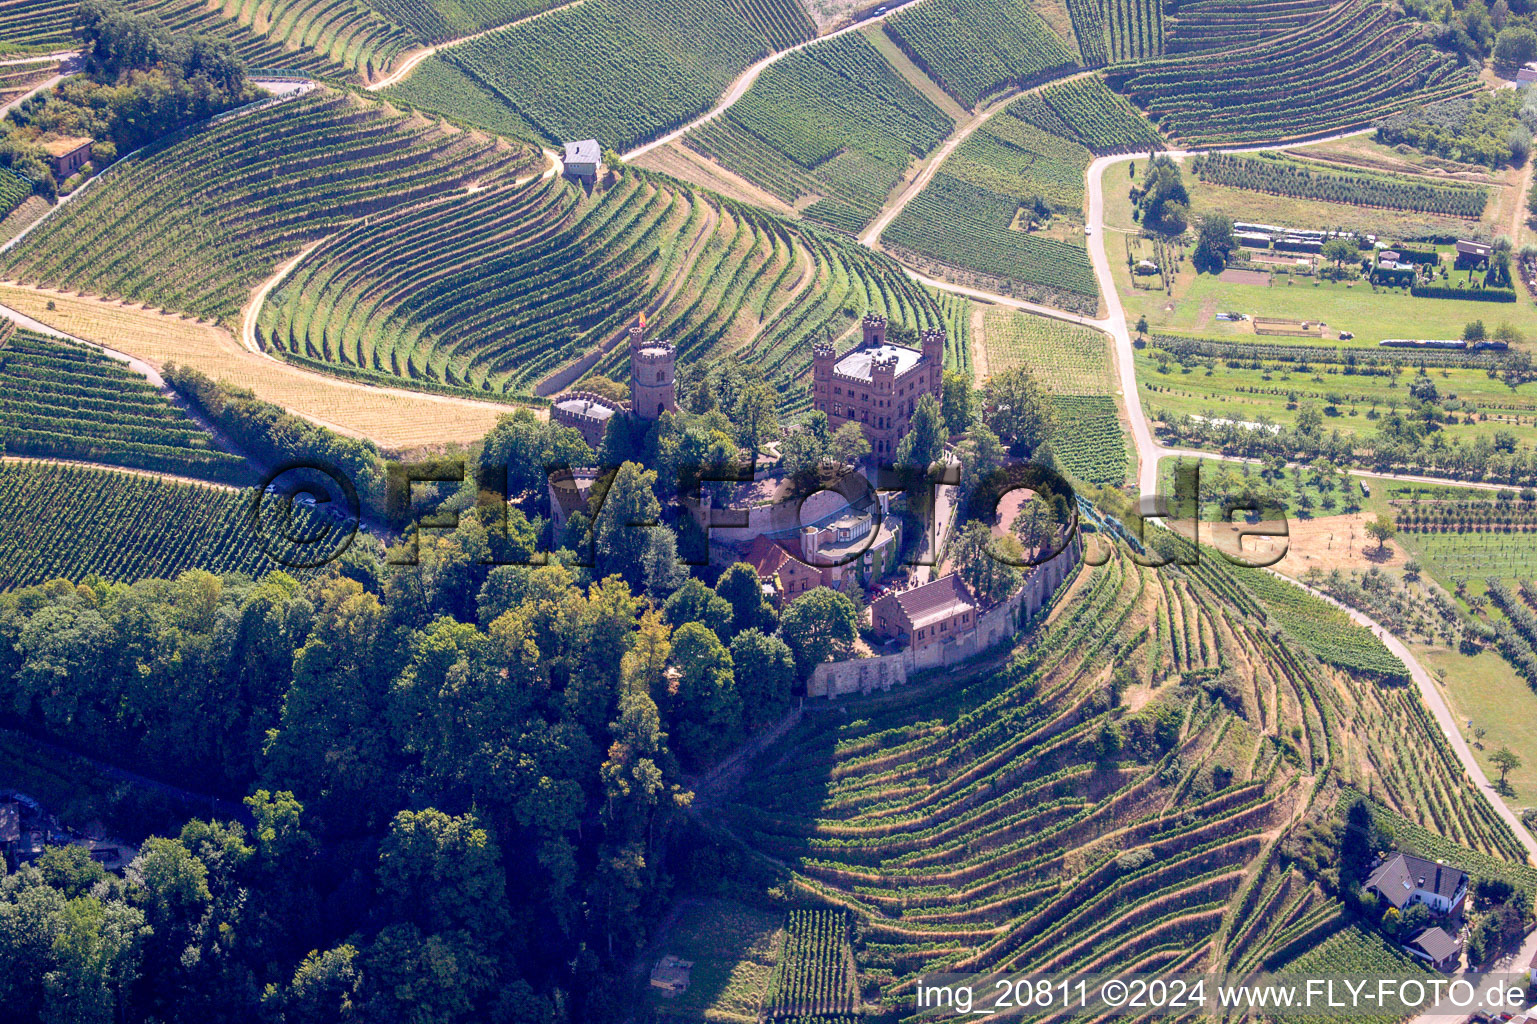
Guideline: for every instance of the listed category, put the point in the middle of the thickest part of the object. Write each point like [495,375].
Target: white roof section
[585,152]
[857,363]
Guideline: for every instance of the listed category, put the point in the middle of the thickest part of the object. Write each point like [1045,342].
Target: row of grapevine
[621,71]
[977,48]
[810,116]
[1365,361]
[815,971]
[1356,62]
[14,190]
[1135,28]
[1267,172]
[193,225]
[58,400]
[1088,18]
[958,338]
[68,522]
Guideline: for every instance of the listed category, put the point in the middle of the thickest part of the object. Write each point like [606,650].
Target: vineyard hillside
[1005,209]
[361,39]
[195,223]
[70,522]
[620,71]
[543,279]
[1341,67]
[977,48]
[831,129]
[63,401]
[1113,796]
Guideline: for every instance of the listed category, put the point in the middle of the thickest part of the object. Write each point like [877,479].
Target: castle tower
[652,368]
[823,358]
[934,357]
[875,330]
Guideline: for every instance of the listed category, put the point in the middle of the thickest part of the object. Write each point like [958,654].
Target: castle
[653,366]
[877,384]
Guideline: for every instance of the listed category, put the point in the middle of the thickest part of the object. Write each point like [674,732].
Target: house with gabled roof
[931,614]
[1438,947]
[1403,880]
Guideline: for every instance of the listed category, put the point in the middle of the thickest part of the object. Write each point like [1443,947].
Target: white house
[584,159]
[1404,879]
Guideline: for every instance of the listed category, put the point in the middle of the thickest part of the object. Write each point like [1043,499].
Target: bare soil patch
[1326,544]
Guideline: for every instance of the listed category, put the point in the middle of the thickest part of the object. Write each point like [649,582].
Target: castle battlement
[586,412]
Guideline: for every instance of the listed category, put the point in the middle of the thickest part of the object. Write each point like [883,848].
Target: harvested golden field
[393,418]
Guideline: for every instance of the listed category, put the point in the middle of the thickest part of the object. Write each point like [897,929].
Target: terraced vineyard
[977,48]
[34,24]
[1276,175]
[194,225]
[622,71]
[834,123]
[1016,819]
[63,401]
[433,21]
[69,522]
[553,276]
[1351,63]
[18,79]
[346,33]
[1202,25]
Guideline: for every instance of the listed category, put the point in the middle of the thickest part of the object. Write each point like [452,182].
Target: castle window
[659,376]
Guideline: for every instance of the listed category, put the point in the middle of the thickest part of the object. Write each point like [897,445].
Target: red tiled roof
[766,557]
[935,601]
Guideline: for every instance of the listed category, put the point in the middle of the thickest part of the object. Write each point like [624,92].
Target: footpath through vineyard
[415,57]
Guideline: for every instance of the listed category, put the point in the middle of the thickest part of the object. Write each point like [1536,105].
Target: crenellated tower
[653,366]
[875,330]
[933,348]
[824,358]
